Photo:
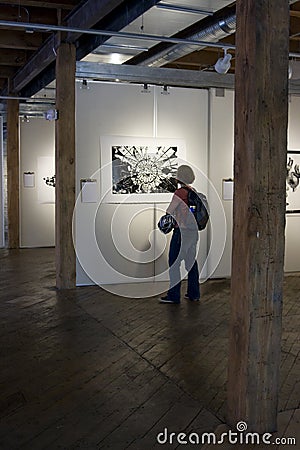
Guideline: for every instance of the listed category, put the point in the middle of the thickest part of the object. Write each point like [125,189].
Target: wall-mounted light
[223,64]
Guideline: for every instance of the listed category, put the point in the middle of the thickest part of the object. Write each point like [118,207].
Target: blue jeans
[183,247]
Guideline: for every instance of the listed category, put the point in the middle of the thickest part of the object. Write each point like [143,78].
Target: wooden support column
[65,166]
[13,166]
[261,115]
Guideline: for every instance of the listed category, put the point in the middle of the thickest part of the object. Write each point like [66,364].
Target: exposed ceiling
[31,30]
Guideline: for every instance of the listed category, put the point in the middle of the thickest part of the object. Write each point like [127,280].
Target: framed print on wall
[46,179]
[139,169]
[293,182]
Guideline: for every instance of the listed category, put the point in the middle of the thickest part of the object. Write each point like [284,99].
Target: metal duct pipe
[213,33]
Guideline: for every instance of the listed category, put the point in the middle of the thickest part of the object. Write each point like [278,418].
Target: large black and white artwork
[293,182]
[139,169]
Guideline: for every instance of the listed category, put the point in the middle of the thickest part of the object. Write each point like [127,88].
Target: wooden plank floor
[85,369]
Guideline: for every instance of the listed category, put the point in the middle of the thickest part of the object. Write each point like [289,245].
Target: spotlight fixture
[145,89]
[84,85]
[223,64]
[165,90]
[51,114]
[25,119]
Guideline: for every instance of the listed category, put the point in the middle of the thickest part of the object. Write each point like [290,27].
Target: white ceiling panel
[208,5]
[155,21]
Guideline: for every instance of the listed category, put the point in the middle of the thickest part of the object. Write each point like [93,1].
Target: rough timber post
[65,166]
[261,114]
[13,164]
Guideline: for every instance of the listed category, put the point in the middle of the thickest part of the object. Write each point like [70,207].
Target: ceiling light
[115,58]
[121,47]
[223,64]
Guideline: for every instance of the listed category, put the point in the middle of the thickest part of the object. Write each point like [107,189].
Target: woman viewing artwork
[183,245]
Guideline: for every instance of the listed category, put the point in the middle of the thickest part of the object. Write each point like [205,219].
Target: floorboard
[87,369]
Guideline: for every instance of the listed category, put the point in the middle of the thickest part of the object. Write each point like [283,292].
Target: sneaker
[191,299]
[166,299]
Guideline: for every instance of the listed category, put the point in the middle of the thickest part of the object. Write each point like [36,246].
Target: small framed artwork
[29,179]
[293,182]
[227,189]
[89,191]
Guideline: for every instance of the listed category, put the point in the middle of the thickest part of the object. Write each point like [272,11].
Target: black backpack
[198,205]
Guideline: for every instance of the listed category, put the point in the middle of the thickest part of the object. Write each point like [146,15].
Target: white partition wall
[185,113]
[130,248]
[37,214]
[117,242]
[2,243]
[292,246]
[221,148]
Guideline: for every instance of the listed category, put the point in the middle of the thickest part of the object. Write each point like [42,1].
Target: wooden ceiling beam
[152,75]
[32,15]
[295,14]
[20,40]
[14,58]
[294,25]
[66,4]
[6,71]
[124,14]
[87,17]
[37,63]
[91,13]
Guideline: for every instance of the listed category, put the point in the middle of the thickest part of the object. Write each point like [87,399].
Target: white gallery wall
[37,214]
[2,243]
[292,247]
[116,242]
[220,151]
